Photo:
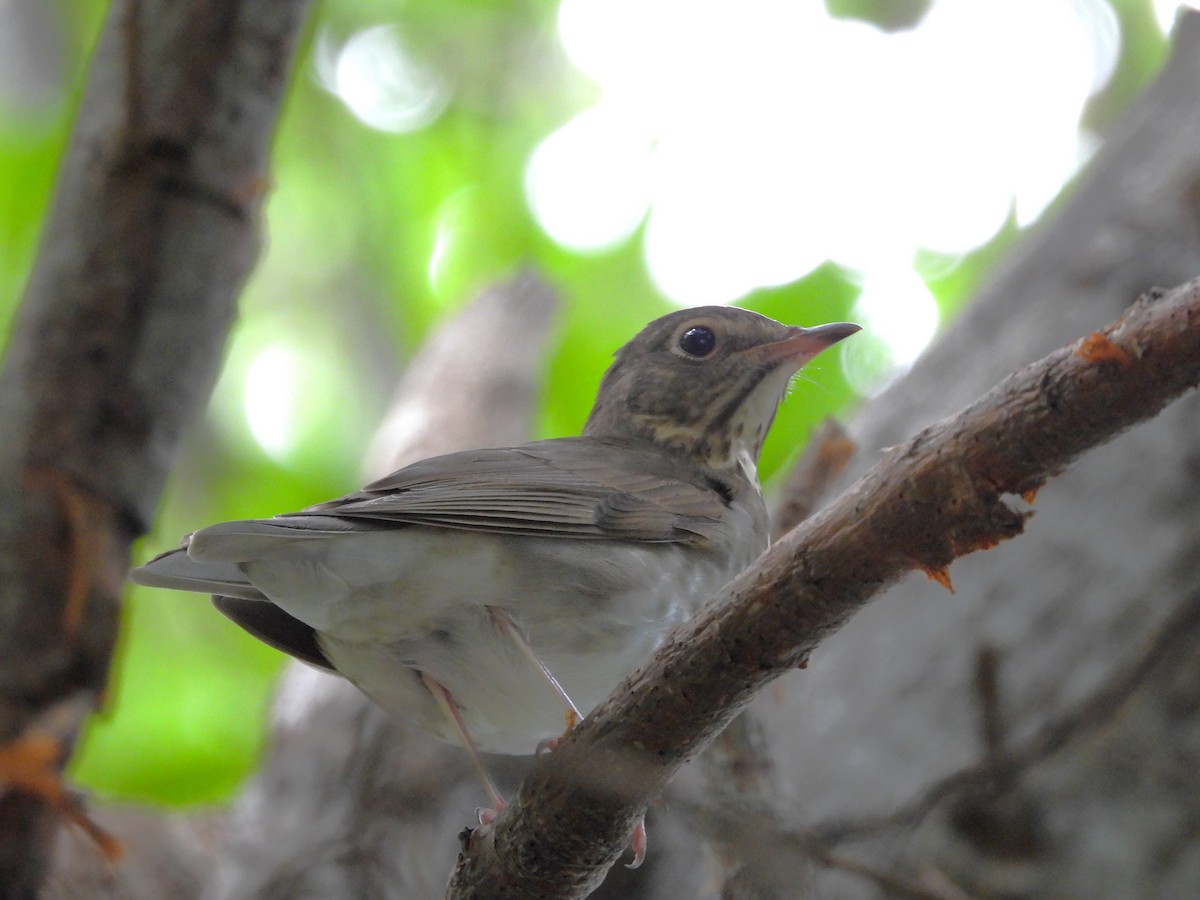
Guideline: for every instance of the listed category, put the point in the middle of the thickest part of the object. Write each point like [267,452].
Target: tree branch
[931,500]
[776,846]
[118,341]
[828,451]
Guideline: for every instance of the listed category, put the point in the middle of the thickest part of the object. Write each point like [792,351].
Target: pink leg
[509,627]
[454,717]
[504,622]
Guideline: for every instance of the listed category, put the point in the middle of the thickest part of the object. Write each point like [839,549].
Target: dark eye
[697,341]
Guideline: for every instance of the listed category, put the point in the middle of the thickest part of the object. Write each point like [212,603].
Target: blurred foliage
[1143,50]
[373,236]
[889,15]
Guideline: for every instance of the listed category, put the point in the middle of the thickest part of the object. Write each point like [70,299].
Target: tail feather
[177,571]
[274,627]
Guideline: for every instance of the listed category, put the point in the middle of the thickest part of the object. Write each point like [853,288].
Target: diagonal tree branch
[116,345]
[935,498]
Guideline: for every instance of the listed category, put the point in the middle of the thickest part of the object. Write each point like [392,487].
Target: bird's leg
[450,709]
[505,623]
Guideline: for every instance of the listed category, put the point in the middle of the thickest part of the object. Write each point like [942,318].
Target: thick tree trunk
[114,349]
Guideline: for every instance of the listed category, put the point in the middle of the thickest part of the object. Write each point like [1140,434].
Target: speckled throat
[714,410]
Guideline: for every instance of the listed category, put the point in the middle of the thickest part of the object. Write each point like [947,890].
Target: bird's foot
[637,843]
[486,815]
[547,744]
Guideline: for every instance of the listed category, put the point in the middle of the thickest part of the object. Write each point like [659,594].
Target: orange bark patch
[941,576]
[84,516]
[28,764]
[1098,348]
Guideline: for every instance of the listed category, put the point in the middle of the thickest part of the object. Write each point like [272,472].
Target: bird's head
[706,382]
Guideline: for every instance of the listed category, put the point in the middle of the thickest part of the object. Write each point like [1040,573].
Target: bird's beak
[802,344]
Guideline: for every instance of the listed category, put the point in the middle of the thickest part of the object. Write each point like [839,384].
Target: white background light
[380,81]
[769,137]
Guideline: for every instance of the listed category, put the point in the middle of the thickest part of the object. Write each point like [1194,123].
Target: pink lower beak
[805,343]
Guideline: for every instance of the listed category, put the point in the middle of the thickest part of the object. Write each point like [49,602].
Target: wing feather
[565,487]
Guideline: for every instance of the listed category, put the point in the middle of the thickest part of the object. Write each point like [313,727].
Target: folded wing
[567,487]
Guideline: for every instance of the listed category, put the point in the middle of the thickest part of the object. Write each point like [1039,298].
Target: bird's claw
[547,744]
[486,815]
[637,843]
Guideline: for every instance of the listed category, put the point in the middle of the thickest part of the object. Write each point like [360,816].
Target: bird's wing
[566,488]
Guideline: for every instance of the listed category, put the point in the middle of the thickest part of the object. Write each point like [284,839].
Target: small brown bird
[488,594]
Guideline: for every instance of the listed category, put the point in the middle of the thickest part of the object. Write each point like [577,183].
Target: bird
[495,596]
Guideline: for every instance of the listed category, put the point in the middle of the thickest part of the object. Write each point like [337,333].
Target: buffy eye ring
[697,341]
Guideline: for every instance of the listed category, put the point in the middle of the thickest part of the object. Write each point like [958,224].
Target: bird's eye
[697,341]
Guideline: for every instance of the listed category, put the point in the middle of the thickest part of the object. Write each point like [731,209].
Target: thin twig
[987,691]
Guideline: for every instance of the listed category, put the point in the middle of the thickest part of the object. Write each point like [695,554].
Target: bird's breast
[591,610]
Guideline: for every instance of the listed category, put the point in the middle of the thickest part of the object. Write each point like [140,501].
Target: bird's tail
[177,571]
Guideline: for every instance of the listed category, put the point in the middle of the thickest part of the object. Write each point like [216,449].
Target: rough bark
[114,349]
